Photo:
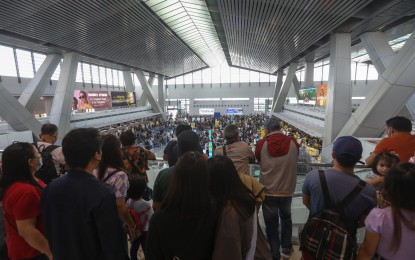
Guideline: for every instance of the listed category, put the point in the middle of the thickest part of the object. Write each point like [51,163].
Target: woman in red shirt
[20,195]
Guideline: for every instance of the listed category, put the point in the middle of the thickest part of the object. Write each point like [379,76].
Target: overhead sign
[234,111]
[206,111]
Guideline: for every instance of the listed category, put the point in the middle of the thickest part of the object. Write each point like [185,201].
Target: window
[318,73]
[102,76]
[57,72]
[234,75]
[372,73]
[361,71]
[87,72]
[7,64]
[326,71]
[39,59]
[187,78]
[24,59]
[253,76]
[95,75]
[206,76]
[197,77]
[110,81]
[78,73]
[244,76]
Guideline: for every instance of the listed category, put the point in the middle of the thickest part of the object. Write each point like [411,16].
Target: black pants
[141,240]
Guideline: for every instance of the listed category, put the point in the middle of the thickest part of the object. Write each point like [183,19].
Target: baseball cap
[188,141]
[349,146]
[272,123]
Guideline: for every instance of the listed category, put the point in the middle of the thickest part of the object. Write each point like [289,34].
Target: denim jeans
[275,208]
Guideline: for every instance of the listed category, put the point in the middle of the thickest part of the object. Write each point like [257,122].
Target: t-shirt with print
[339,184]
[139,206]
[380,221]
[21,201]
[118,182]
[139,156]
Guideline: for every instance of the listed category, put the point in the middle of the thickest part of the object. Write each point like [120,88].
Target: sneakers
[286,253]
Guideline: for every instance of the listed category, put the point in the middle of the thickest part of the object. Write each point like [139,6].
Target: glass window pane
[206,76]
[102,76]
[197,77]
[326,71]
[361,71]
[7,64]
[95,74]
[234,75]
[317,73]
[87,72]
[24,59]
[372,73]
[188,78]
[180,80]
[109,77]
[225,74]
[121,76]
[244,76]
[353,70]
[264,78]
[253,76]
[216,74]
[79,73]
[39,59]
[273,78]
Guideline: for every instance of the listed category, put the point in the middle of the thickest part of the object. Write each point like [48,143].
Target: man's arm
[369,160]
[306,200]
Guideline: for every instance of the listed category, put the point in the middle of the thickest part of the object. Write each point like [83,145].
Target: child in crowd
[390,232]
[141,212]
[380,166]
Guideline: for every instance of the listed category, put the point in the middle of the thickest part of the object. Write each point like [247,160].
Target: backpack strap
[356,190]
[109,175]
[326,195]
[49,149]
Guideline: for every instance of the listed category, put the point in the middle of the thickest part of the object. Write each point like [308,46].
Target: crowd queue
[89,198]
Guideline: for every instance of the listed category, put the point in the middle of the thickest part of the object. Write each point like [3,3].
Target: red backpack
[137,216]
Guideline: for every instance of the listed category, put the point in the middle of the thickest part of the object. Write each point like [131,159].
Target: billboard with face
[90,99]
[122,98]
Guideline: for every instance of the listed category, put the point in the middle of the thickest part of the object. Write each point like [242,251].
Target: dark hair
[226,186]
[400,124]
[83,92]
[75,100]
[188,194]
[111,155]
[127,138]
[389,159]
[231,132]
[48,129]
[15,166]
[346,160]
[137,187]
[399,189]
[79,146]
[180,128]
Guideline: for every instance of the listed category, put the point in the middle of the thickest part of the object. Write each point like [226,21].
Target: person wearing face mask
[399,141]
[80,211]
[20,194]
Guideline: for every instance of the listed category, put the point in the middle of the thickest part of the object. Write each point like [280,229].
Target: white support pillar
[380,53]
[278,85]
[60,114]
[161,91]
[339,95]
[15,114]
[129,87]
[30,97]
[282,96]
[143,98]
[296,85]
[309,71]
[148,91]
[387,97]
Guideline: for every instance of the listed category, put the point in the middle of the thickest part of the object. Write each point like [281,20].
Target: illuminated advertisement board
[122,98]
[90,99]
[307,96]
[322,95]
[234,111]
[206,111]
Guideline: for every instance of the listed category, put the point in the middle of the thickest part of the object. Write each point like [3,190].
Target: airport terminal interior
[324,68]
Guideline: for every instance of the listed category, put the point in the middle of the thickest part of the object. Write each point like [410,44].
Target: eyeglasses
[82,96]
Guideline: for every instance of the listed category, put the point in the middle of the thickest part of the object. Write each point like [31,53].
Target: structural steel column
[285,87]
[15,114]
[60,114]
[339,93]
[129,87]
[380,53]
[309,71]
[297,86]
[143,98]
[30,97]
[278,84]
[161,91]
[148,92]
[387,97]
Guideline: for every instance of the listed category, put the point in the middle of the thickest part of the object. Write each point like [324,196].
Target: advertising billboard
[234,111]
[90,99]
[322,95]
[122,98]
[307,96]
[206,111]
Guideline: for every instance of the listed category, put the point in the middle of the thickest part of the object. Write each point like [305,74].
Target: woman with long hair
[390,232]
[235,234]
[184,226]
[20,195]
[111,172]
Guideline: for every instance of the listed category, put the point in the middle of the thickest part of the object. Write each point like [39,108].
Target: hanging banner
[122,98]
[322,95]
[90,99]
[234,111]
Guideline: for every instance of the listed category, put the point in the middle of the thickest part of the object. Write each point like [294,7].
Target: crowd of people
[96,199]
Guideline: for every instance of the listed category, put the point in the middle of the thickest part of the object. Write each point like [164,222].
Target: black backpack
[47,171]
[325,235]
